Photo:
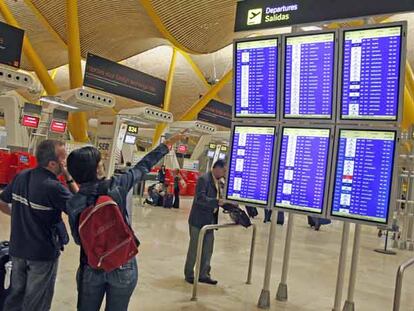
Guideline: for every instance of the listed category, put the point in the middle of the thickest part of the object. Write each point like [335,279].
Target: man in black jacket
[204,212]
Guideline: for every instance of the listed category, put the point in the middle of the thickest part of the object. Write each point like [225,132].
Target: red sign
[58,126]
[30,121]
[182,149]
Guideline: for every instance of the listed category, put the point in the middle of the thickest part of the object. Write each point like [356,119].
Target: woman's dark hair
[83,163]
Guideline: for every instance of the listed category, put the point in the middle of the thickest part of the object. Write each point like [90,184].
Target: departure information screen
[371,73]
[309,76]
[363,175]
[256,78]
[302,170]
[251,164]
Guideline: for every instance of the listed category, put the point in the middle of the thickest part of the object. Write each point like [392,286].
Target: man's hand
[177,137]
[221,202]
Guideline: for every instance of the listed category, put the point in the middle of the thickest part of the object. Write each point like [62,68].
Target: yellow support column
[167,97]
[193,111]
[30,53]
[78,122]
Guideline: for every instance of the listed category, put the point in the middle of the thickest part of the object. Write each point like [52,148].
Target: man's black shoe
[189,280]
[208,281]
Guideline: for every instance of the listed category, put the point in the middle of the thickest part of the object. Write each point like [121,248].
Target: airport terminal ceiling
[141,34]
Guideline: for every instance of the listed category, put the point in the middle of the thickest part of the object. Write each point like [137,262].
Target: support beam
[78,122]
[30,53]
[193,111]
[167,98]
[147,5]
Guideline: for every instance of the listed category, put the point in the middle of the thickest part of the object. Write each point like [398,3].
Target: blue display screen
[302,170]
[363,175]
[256,78]
[250,165]
[371,73]
[309,76]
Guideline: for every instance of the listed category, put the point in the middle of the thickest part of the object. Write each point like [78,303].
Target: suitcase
[4,272]
[251,211]
[280,218]
[168,200]
[318,222]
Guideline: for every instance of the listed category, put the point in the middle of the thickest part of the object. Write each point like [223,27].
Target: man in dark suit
[204,212]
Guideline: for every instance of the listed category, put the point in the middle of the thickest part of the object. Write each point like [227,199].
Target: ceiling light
[57,101]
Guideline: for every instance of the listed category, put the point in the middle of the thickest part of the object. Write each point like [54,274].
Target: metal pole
[264,299]
[404,233]
[398,283]
[341,267]
[282,292]
[200,249]
[252,251]
[349,303]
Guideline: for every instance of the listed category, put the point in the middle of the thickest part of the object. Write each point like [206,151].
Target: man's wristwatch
[70,181]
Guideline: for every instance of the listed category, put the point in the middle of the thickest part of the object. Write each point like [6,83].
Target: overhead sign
[30,121]
[11,42]
[182,149]
[111,77]
[57,126]
[260,14]
[132,129]
[217,113]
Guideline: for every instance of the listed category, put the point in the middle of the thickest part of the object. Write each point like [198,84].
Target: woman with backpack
[94,212]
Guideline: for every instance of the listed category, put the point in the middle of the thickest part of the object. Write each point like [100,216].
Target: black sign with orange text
[11,42]
[217,113]
[111,77]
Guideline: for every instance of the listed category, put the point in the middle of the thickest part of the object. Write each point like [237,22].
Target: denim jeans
[117,285]
[32,285]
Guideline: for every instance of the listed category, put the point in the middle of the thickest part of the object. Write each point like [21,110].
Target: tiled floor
[312,275]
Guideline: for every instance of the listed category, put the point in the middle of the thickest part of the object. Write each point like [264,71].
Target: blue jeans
[32,285]
[117,285]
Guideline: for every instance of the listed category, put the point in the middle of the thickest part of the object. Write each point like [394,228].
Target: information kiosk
[303,169]
[309,63]
[372,71]
[256,66]
[364,178]
[251,164]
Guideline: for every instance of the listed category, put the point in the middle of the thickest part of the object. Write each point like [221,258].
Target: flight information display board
[256,78]
[250,165]
[363,175]
[371,70]
[302,169]
[309,66]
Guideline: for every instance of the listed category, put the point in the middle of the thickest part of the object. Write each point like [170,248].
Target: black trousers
[176,199]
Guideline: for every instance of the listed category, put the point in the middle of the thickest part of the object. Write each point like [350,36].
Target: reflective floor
[311,281]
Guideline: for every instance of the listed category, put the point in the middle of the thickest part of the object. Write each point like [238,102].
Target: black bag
[280,218]
[251,211]
[168,200]
[237,214]
[4,259]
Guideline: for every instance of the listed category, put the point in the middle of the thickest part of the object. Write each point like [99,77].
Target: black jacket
[205,202]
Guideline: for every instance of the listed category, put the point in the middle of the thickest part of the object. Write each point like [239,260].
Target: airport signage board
[57,126]
[11,42]
[216,113]
[261,14]
[30,121]
[111,77]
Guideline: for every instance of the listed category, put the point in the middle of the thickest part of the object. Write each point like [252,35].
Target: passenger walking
[37,232]
[204,212]
[161,174]
[94,284]
[177,180]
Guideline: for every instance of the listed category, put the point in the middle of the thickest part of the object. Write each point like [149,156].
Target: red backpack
[106,238]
